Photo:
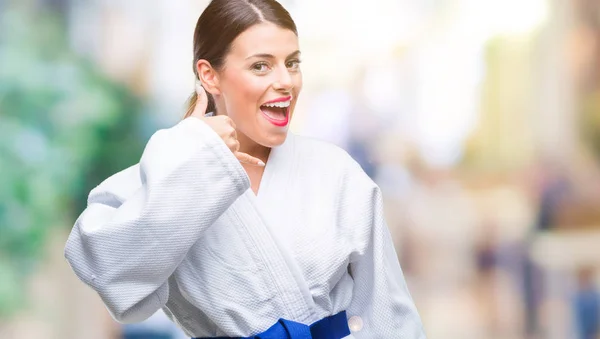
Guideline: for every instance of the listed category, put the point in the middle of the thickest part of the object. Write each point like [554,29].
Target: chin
[273,139]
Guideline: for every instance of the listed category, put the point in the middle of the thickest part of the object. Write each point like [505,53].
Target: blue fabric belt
[332,327]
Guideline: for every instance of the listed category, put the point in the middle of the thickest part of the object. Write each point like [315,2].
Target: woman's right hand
[223,126]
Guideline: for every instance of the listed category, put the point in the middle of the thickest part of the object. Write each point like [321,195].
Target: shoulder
[326,157]
[310,148]
[118,186]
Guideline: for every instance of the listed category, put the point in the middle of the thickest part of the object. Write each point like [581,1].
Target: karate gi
[183,231]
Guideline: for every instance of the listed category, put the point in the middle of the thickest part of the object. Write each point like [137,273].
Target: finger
[234,145]
[248,159]
[229,121]
[202,101]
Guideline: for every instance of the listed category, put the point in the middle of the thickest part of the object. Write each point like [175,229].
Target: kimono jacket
[183,231]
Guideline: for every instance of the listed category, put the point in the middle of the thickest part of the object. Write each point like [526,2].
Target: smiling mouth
[277,113]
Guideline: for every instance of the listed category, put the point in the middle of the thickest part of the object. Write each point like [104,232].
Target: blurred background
[479,119]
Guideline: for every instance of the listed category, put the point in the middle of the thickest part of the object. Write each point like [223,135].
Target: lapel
[271,203]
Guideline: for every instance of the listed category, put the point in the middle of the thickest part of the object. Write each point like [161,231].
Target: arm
[136,230]
[381,298]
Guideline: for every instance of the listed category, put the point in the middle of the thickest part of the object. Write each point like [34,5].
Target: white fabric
[183,232]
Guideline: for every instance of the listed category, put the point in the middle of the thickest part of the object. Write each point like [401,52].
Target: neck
[252,148]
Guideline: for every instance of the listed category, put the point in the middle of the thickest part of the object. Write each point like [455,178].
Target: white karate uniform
[184,232]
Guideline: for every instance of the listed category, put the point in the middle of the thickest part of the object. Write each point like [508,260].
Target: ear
[208,76]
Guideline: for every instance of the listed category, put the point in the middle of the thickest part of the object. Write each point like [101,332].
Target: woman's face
[260,83]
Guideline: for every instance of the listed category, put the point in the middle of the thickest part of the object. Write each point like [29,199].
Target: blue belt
[332,327]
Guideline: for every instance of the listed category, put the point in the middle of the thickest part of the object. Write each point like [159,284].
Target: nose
[284,82]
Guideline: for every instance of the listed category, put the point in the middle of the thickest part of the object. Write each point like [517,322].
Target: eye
[260,67]
[293,64]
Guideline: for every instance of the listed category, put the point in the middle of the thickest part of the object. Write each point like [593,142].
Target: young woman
[227,246]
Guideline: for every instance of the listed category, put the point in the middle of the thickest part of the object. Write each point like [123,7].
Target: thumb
[201,102]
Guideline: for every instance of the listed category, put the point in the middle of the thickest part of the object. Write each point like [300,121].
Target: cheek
[298,82]
[245,92]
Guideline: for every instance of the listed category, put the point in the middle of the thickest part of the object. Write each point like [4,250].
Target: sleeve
[381,305]
[126,248]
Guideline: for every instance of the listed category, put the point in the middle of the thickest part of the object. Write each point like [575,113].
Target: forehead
[264,38]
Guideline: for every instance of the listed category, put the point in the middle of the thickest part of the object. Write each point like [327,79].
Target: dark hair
[221,22]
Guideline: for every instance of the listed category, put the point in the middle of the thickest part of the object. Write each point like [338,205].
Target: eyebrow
[270,56]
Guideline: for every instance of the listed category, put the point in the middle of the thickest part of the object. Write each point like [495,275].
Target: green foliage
[63,128]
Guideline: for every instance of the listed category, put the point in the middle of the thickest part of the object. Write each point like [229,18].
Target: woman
[226,246]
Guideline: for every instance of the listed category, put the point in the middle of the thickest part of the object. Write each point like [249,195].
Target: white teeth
[282,104]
